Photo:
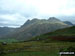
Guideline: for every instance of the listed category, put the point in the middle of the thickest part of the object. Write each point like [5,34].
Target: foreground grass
[40,53]
[36,48]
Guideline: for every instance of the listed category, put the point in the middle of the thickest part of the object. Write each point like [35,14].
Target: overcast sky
[14,13]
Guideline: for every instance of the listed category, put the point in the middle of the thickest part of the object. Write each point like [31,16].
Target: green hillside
[68,33]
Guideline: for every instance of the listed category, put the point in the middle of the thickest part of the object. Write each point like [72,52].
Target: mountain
[53,19]
[69,23]
[5,31]
[66,34]
[36,27]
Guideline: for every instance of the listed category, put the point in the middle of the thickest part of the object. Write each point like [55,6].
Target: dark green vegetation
[69,49]
[67,55]
[36,27]
[9,40]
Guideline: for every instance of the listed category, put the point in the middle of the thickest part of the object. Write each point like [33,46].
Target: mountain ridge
[35,27]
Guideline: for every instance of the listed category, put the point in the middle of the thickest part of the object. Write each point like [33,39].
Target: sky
[14,13]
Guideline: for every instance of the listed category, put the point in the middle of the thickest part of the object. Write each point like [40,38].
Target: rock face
[37,27]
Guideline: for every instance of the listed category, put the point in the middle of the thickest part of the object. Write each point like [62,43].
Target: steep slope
[37,27]
[67,34]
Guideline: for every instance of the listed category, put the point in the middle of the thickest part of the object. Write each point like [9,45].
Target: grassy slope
[67,32]
[37,48]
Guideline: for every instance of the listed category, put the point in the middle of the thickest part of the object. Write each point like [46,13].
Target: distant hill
[5,31]
[36,27]
[69,23]
[66,34]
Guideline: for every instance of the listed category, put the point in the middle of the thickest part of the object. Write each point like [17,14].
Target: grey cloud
[12,20]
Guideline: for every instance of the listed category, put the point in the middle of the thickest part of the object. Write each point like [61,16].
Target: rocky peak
[53,19]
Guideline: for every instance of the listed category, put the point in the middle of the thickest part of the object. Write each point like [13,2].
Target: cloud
[18,6]
[16,12]
[12,19]
[37,7]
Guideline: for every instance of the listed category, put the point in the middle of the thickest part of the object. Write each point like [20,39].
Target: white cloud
[52,7]
[68,12]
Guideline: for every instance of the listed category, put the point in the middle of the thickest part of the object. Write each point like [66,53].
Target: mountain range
[34,27]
